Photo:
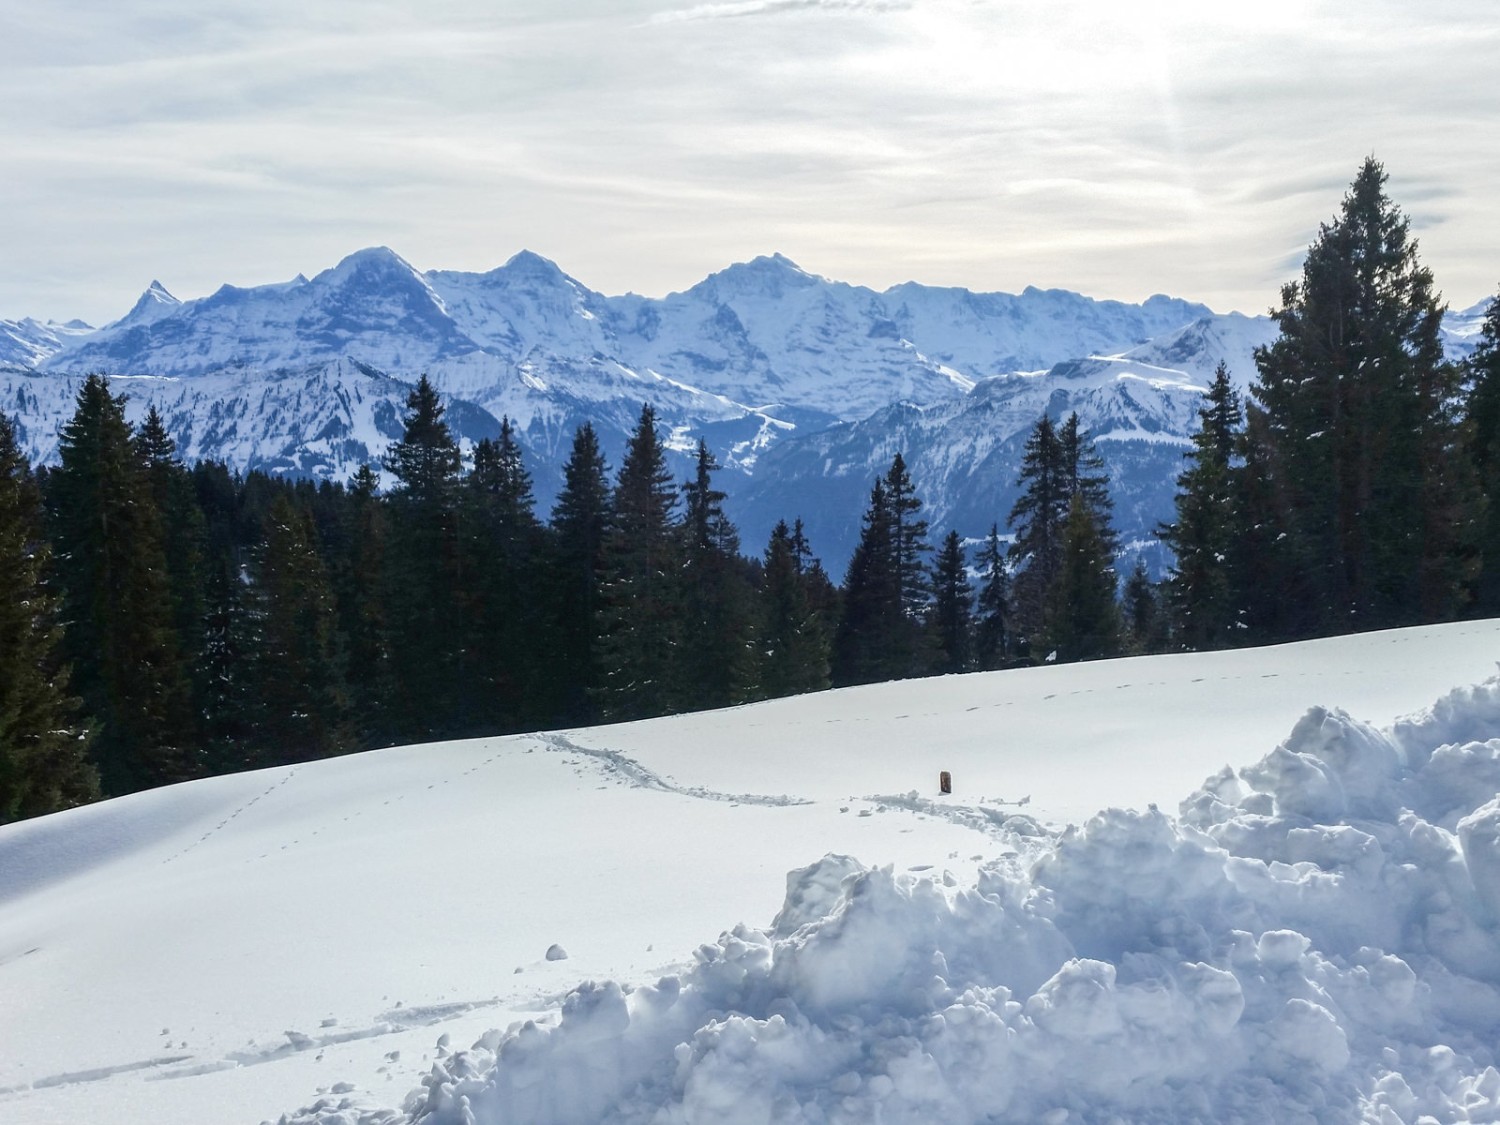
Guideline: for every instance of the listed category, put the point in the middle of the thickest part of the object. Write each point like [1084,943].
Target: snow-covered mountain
[803,386]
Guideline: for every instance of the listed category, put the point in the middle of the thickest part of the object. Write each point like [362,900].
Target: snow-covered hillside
[1316,938]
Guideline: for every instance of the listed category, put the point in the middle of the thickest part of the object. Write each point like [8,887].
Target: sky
[1116,148]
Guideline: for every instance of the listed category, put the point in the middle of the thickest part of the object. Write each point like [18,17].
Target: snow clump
[1315,938]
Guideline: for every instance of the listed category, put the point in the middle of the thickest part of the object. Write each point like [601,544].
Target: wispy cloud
[740,9]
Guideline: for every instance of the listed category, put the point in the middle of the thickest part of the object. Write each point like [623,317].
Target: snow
[1259,885]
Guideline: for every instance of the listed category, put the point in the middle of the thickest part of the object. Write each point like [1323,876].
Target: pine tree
[425,584]
[359,581]
[992,632]
[1037,519]
[908,539]
[1145,622]
[1200,590]
[1084,474]
[1482,415]
[117,606]
[717,661]
[502,539]
[640,595]
[580,522]
[792,640]
[44,762]
[952,611]
[1083,618]
[302,698]
[1360,426]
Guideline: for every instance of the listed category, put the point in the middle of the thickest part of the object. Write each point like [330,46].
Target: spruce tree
[1207,532]
[1361,429]
[502,539]
[952,613]
[1083,617]
[424,581]
[302,698]
[1482,415]
[1144,619]
[717,661]
[580,522]
[118,609]
[991,631]
[44,765]
[641,593]
[359,581]
[1084,474]
[792,640]
[1037,519]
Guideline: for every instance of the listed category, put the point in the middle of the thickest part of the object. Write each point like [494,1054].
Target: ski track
[618,765]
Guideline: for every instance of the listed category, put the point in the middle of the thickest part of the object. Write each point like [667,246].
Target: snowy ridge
[1318,937]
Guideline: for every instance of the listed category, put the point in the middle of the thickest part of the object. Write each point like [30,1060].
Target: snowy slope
[240,947]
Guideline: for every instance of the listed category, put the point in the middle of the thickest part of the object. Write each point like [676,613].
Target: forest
[161,622]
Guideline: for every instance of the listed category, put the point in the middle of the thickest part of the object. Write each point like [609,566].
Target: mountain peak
[371,261]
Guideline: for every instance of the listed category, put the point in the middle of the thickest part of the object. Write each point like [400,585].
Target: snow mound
[1315,938]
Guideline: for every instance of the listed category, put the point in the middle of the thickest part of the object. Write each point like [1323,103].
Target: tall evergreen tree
[1145,621]
[1482,414]
[952,610]
[44,762]
[1207,532]
[580,523]
[117,607]
[502,617]
[717,661]
[425,583]
[1084,474]
[359,583]
[641,593]
[1083,617]
[792,639]
[992,631]
[302,698]
[1361,428]
[1037,518]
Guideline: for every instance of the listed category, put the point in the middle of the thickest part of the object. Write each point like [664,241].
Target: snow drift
[1313,938]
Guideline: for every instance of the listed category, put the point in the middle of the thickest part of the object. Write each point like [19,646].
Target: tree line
[160,622]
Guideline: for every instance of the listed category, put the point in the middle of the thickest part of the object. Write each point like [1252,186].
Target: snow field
[235,947]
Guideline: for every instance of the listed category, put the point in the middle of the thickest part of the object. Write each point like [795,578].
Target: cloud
[740,9]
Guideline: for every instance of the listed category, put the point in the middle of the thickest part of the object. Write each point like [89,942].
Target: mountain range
[804,387]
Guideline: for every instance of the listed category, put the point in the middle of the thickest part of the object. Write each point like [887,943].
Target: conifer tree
[117,606]
[44,762]
[501,543]
[1084,474]
[1360,425]
[952,610]
[640,595]
[302,698]
[359,583]
[1482,415]
[717,660]
[991,632]
[1207,531]
[1037,519]
[1083,617]
[425,584]
[1144,620]
[580,522]
[792,640]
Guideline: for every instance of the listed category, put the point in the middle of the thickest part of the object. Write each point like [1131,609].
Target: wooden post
[945,782]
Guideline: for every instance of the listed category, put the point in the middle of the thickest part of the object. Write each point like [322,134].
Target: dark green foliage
[952,611]
[793,640]
[1360,429]
[1482,416]
[1083,619]
[302,701]
[118,609]
[886,589]
[44,762]
[424,582]
[580,523]
[717,656]
[501,541]
[992,630]
[1145,616]
[640,595]
[1201,591]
